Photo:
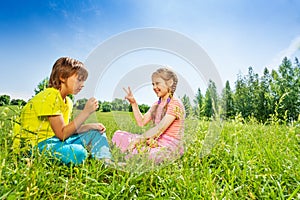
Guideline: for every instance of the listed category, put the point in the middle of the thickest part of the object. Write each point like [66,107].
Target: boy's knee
[92,132]
[73,153]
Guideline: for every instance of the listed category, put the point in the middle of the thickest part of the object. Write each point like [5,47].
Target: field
[242,160]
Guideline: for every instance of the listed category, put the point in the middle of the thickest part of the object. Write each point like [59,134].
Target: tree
[214,95]
[227,104]
[198,108]
[80,103]
[252,88]
[18,102]
[119,104]
[144,108]
[246,94]
[106,106]
[99,106]
[4,100]
[286,89]
[208,108]
[187,105]
[240,95]
[211,100]
[265,102]
[42,85]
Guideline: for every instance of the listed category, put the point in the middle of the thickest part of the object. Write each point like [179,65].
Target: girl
[44,121]
[164,140]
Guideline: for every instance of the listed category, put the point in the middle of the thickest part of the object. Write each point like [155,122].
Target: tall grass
[248,161]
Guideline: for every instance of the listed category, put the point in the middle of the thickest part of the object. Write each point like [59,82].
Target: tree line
[116,105]
[273,96]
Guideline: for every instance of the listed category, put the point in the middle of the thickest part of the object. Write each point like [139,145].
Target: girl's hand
[136,141]
[133,144]
[129,96]
[91,105]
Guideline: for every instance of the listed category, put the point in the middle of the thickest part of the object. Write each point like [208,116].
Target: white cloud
[288,52]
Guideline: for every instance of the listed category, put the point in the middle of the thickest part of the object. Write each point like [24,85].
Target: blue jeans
[74,149]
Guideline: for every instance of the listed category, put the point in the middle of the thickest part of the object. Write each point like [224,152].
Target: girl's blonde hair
[65,67]
[166,74]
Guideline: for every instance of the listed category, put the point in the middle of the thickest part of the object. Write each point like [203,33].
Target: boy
[44,121]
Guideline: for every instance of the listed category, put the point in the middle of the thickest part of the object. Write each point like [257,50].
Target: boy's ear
[62,79]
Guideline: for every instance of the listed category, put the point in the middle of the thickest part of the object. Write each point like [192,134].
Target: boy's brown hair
[65,67]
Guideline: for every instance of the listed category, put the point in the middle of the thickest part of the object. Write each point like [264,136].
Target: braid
[165,108]
[173,88]
[153,113]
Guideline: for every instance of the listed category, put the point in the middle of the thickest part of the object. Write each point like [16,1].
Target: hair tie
[168,100]
[159,101]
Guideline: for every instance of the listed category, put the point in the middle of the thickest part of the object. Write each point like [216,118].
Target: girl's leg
[169,149]
[97,143]
[66,151]
[122,139]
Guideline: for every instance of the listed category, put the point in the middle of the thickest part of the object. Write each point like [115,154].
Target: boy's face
[74,84]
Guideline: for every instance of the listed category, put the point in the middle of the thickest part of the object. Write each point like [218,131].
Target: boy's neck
[63,94]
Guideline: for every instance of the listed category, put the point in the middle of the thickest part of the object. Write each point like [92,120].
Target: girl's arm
[161,127]
[139,117]
[154,132]
[63,131]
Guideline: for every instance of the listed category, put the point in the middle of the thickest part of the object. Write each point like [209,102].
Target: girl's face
[160,87]
[74,84]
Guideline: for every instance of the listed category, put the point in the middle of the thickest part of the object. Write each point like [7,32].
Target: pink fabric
[169,144]
[175,108]
[168,148]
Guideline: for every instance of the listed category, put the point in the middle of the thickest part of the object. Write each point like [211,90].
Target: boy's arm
[63,131]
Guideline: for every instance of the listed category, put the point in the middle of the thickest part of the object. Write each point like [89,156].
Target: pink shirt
[174,108]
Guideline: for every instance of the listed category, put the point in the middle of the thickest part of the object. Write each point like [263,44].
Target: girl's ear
[170,82]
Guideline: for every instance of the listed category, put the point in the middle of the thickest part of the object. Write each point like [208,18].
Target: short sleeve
[175,108]
[48,104]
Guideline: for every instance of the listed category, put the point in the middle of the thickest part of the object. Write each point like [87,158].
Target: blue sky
[235,34]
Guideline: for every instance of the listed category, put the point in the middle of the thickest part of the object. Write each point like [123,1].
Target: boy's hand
[96,126]
[91,105]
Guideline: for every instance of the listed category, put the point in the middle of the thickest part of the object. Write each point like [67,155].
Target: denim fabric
[75,148]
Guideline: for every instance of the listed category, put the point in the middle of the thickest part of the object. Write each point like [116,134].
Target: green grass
[248,161]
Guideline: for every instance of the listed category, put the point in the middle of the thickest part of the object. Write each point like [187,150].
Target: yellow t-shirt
[34,126]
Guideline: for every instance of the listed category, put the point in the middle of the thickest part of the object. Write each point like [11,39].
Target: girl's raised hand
[129,96]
